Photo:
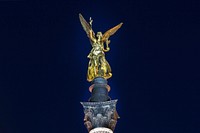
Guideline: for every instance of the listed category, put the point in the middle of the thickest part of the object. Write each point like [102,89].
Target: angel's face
[99,35]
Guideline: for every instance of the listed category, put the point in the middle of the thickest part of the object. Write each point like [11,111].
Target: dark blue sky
[154,59]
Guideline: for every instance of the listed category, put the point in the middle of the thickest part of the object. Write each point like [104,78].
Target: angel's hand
[91,21]
[107,41]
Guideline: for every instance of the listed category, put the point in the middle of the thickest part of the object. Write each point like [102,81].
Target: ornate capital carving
[100,114]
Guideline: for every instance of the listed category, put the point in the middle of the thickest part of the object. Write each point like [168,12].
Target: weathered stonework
[100,114]
[100,111]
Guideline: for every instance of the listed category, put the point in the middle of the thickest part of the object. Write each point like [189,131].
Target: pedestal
[100,112]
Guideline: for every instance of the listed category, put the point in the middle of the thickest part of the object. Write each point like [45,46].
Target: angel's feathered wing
[87,27]
[110,32]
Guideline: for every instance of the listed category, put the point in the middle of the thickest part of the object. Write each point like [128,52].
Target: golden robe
[98,65]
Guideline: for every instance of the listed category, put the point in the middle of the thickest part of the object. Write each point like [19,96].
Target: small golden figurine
[98,65]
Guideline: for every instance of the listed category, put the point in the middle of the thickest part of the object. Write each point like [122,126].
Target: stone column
[100,111]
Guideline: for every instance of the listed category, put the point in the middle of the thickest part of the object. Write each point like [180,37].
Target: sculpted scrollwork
[101,114]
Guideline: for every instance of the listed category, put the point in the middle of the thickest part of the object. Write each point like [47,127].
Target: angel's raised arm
[91,36]
[87,28]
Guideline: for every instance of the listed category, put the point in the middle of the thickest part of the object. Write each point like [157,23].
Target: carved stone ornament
[100,114]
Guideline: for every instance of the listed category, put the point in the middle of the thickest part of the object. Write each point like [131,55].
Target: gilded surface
[98,65]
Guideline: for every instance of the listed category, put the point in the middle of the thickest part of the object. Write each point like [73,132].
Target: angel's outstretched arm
[107,34]
[87,27]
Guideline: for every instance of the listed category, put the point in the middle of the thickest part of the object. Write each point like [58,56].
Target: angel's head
[99,35]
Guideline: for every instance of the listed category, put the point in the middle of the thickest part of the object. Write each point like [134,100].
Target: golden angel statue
[98,65]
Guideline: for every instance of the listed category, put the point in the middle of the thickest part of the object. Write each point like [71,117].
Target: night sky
[154,59]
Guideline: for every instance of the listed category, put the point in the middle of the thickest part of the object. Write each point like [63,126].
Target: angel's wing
[87,27]
[110,32]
